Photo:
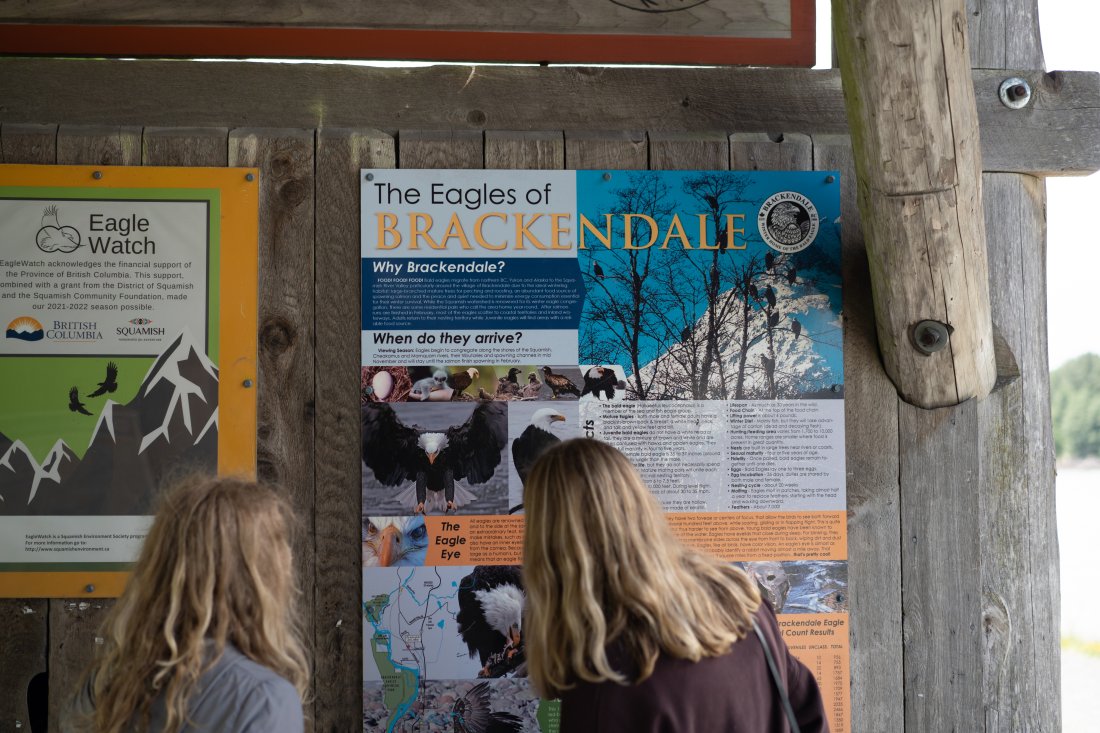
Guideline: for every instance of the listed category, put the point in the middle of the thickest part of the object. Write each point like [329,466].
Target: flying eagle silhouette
[109,384]
[75,404]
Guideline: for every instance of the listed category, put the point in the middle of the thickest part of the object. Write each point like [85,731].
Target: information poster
[690,318]
[123,361]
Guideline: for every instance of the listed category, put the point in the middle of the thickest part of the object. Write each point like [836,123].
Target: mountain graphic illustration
[168,429]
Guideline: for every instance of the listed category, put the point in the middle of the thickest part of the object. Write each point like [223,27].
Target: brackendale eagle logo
[52,237]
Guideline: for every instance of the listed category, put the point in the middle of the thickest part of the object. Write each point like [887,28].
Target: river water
[1078,498]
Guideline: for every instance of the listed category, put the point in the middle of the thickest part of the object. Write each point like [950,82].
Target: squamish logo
[52,237]
[141,321]
[139,327]
[24,328]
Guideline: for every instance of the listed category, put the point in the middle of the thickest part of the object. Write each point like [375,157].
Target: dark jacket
[731,692]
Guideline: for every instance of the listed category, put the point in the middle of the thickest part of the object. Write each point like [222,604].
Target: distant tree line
[1075,407]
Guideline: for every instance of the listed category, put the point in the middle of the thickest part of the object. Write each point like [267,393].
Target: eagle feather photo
[446,460]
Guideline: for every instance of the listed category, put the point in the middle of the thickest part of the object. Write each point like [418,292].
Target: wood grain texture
[771,152]
[185,146]
[286,398]
[441,149]
[1020,620]
[98,145]
[746,18]
[586,150]
[337,609]
[1057,134]
[1004,35]
[520,150]
[689,151]
[24,641]
[28,143]
[871,454]
[74,641]
[915,137]
[941,550]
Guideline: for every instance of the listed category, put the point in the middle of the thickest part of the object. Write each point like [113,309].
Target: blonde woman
[206,636]
[633,630]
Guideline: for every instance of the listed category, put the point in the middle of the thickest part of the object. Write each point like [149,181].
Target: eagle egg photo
[383,384]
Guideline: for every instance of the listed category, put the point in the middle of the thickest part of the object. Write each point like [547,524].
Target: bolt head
[89,588]
[249,177]
[607,176]
[830,179]
[247,384]
[369,176]
[97,175]
[930,336]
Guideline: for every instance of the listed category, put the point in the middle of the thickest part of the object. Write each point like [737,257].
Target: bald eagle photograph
[534,427]
[394,541]
[490,619]
[501,705]
[603,382]
[435,458]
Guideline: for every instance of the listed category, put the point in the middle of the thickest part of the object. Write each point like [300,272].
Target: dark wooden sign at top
[747,32]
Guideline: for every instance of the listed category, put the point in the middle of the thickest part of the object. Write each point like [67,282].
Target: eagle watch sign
[689,318]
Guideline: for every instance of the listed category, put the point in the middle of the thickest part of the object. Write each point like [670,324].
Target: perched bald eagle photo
[425,462]
[490,618]
[394,541]
[601,382]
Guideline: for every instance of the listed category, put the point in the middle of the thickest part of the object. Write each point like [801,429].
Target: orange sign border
[237,341]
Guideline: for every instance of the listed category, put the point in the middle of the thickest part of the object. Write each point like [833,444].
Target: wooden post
[914,125]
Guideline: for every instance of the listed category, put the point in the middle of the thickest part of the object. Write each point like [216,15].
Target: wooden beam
[1057,134]
[914,128]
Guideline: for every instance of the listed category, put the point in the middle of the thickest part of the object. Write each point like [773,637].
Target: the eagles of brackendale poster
[689,318]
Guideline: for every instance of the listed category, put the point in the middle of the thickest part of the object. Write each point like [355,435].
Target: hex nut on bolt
[1015,92]
[930,336]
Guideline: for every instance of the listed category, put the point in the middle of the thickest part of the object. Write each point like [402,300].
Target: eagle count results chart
[689,318]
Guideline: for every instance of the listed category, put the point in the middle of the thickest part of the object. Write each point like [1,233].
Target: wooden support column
[914,126]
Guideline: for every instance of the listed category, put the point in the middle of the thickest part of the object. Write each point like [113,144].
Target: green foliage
[1075,407]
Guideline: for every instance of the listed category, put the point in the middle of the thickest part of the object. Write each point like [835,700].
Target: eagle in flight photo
[433,460]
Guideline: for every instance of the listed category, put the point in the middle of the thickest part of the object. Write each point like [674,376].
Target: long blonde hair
[601,565]
[215,569]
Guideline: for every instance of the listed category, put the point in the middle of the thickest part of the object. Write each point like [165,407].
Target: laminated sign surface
[689,318]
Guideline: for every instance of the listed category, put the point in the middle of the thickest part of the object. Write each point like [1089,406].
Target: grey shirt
[236,695]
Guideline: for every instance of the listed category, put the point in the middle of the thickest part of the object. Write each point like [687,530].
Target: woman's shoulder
[260,699]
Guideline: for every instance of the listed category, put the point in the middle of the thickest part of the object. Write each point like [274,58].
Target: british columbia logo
[52,237]
[24,328]
[788,222]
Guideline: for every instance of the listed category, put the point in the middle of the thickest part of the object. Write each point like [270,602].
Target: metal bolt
[930,336]
[247,384]
[89,588]
[830,179]
[1015,92]
[369,176]
[607,176]
[249,177]
[97,175]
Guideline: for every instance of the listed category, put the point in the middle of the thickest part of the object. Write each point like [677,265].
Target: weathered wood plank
[23,647]
[28,143]
[1020,617]
[941,567]
[1059,132]
[871,453]
[1004,35]
[339,623]
[182,146]
[441,149]
[689,151]
[585,150]
[746,18]
[286,398]
[774,152]
[915,138]
[24,642]
[98,145]
[519,150]
[74,639]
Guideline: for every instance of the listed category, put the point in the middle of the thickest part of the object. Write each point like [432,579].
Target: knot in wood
[293,192]
[277,336]
[476,117]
